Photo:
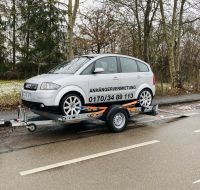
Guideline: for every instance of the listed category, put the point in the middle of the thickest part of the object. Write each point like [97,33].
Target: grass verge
[10,94]
[9,101]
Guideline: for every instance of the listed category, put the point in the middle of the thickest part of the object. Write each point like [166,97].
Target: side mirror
[98,70]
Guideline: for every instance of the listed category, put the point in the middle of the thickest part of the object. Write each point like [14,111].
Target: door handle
[115,78]
[139,76]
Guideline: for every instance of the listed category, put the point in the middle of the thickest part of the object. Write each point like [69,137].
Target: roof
[104,54]
[98,55]
[109,54]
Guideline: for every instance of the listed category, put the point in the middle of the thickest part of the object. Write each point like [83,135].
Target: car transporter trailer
[116,116]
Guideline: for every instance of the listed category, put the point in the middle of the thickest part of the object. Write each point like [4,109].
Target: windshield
[70,67]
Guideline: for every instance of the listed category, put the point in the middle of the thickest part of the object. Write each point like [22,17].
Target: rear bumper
[153,90]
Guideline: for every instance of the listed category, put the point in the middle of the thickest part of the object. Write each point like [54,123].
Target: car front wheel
[145,98]
[71,105]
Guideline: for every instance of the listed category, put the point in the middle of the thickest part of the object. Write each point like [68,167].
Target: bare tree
[172,38]
[190,56]
[100,29]
[141,15]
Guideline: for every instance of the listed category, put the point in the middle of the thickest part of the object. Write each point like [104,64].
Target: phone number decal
[109,98]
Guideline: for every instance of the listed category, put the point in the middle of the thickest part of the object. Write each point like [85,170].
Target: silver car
[90,80]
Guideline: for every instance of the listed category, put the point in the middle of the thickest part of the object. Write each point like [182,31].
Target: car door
[129,77]
[105,86]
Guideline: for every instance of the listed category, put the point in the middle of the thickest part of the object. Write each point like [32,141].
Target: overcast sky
[85,4]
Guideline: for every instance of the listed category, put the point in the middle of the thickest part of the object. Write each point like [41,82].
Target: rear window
[128,65]
[142,67]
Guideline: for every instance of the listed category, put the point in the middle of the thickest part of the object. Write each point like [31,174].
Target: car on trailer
[93,79]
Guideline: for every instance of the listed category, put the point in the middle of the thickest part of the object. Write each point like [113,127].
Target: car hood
[48,78]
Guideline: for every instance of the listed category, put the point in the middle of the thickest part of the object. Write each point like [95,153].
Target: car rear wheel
[145,98]
[71,105]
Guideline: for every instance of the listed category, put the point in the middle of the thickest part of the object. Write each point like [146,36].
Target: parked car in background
[88,80]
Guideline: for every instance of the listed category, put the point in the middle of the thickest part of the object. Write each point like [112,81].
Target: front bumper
[38,106]
[45,97]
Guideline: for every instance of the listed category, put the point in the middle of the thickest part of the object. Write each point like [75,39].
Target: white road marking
[198,181]
[191,114]
[92,156]
[161,117]
[158,119]
[197,131]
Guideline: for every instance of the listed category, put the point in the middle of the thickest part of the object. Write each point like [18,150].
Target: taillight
[154,80]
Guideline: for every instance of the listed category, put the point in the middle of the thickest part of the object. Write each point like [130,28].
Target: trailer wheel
[155,110]
[117,119]
[31,127]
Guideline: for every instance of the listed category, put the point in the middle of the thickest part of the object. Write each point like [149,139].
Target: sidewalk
[176,99]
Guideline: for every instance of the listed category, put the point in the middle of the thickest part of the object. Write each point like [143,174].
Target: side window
[128,65]
[109,64]
[143,67]
[88,70]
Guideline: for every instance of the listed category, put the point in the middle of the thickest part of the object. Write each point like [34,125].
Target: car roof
[109,54]
[103,55]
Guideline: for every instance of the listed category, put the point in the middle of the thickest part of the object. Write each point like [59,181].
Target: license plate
[26,95]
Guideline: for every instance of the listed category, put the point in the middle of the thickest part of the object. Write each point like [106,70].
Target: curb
[176,99]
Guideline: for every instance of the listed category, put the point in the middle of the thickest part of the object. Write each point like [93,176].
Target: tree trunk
[148,20]
[172,68]
[71,22]
[147,29]
[28,37]
[139,28]
[178,82]
[170,41]
[70,31]
[98,48]
[179,35]
[14,33]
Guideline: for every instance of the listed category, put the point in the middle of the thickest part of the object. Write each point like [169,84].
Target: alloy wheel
[145,98]
[72,105]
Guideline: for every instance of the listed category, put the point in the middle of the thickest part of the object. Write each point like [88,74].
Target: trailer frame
[116,116]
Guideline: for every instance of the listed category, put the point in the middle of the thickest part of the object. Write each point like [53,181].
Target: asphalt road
[157,153]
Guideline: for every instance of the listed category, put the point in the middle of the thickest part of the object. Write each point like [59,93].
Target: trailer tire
[31,127]
[117,119]
[155,110]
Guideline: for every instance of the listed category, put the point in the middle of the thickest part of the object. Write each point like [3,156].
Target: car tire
[145,98]
[70,105]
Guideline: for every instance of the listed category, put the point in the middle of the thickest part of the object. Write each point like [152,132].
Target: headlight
[49,86]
